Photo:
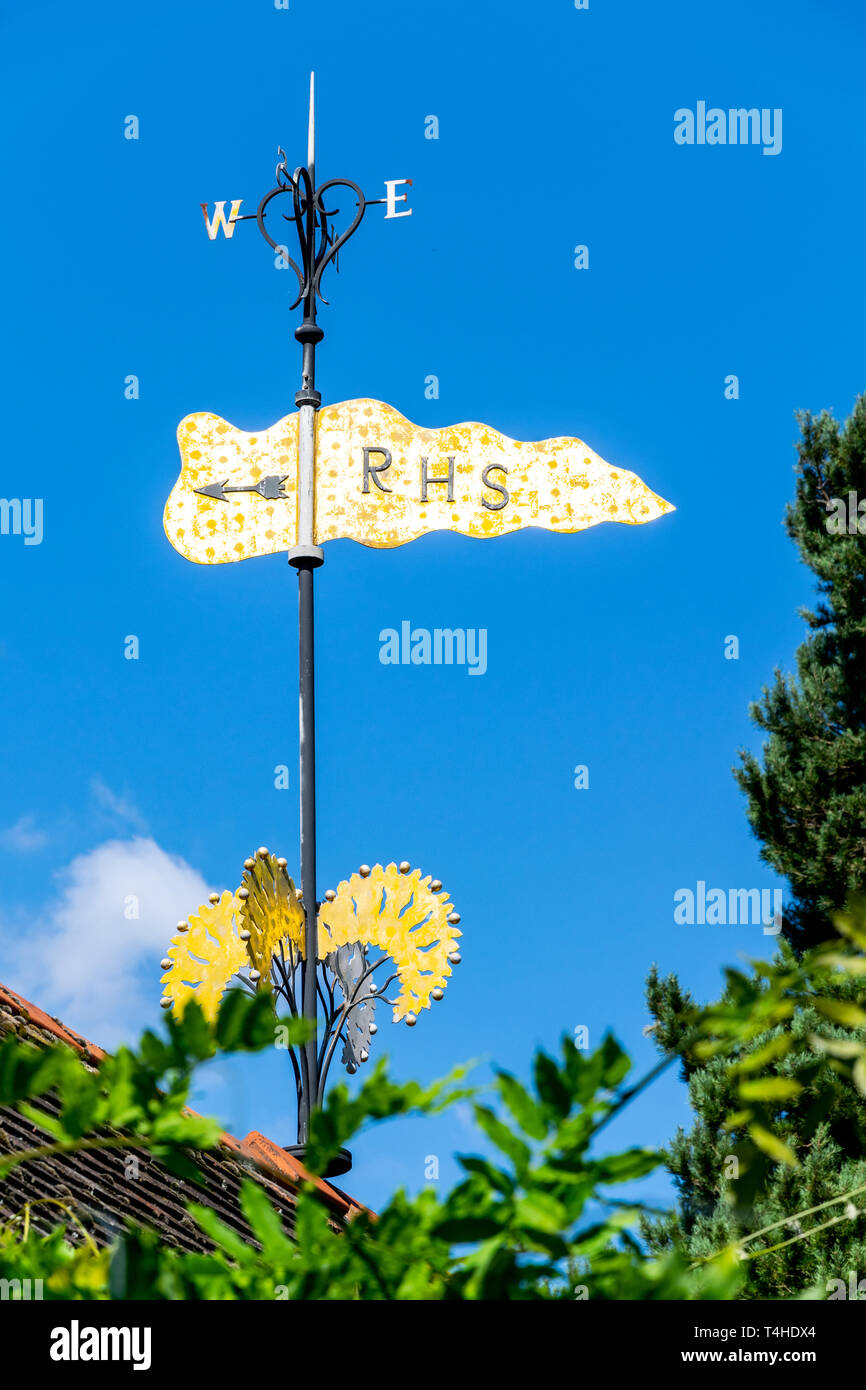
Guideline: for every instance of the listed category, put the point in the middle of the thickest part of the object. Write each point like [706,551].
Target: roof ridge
[284,1167]
[33,1014]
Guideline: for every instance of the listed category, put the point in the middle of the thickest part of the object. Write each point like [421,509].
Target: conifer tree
[807,805]
[807,792]
[721,1200]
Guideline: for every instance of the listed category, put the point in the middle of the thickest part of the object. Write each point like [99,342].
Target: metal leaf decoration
[270,911]
[262,927]
[204,957]
[348,965]
[400,913]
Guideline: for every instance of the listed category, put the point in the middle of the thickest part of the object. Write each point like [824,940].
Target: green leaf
[51,1124]
[486,1264]
[551,1085]
[466,1230]
[841,1011]
[582,1074]
[770,1052]
[26,1071]
[154,1054]
[837,1047]
[541,1212]
[178,1163]
[634,1163]
[850,926]
[594,1239]
[191,1036]
[737,1118]
[246,1022]
[495,1177]
[503,1138]
[265,1223]
[771,1145]
[185,1127]
[852,965]
[615,1062]
[221,1234]
[522,1106]
[770,1088]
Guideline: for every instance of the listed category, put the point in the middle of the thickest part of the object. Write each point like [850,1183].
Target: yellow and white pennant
[383,481]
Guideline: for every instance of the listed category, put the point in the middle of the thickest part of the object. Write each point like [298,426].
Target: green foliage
[776,1073]
[807,795]
[515,1227]
[535,1222]
[536,1215]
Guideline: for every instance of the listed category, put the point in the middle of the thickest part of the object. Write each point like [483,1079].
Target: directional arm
[271,488]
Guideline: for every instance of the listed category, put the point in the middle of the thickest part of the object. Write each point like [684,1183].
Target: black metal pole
[306,557]
[307,728]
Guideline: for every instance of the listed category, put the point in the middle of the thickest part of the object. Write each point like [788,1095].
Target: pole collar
[308,397]
[306,556]
[309,332]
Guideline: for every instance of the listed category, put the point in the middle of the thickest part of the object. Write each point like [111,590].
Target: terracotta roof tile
[31,1013]
[285,1167]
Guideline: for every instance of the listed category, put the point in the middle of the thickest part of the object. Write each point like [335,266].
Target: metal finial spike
[311,131]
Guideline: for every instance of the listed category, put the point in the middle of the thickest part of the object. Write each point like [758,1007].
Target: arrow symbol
[271,488]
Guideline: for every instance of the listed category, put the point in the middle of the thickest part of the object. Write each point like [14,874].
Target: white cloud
[120,807]
[88,959]
[24,837]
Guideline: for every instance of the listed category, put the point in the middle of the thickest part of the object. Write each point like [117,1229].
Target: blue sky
[605,648]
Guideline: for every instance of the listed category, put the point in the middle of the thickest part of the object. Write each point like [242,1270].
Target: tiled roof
[96,1186]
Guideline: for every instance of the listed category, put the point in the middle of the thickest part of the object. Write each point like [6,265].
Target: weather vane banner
[383,481]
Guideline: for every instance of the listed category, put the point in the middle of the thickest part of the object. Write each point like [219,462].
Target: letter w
[220,220]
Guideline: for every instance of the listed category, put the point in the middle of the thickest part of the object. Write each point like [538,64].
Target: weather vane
[357,470]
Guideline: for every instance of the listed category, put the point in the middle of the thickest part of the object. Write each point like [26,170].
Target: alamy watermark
[712,907]
[736,126]
[20,1289]
[441,646]
[22,516]
[77,1343]
[855,1290]
[846,515]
